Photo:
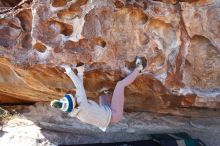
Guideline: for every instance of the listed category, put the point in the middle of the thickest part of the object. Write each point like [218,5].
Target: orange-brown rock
[181,43]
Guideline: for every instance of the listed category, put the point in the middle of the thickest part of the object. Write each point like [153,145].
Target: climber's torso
[92,113]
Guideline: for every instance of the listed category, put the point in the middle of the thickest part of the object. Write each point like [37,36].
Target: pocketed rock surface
[179,39]
[178,92]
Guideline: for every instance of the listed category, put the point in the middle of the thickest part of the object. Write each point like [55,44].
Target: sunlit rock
[179,39]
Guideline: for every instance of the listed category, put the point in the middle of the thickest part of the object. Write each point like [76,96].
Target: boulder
[179,39]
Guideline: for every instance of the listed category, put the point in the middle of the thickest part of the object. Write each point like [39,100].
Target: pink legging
[117,104]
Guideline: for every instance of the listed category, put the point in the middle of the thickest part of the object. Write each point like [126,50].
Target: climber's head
[66,104]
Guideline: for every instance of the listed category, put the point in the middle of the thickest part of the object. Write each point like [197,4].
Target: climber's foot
[140,63]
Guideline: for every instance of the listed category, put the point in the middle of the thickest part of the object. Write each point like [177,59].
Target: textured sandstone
[180,40]
[203,19]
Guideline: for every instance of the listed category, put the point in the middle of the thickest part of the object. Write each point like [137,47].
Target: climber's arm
[80,91]
[80,70]
[71,75]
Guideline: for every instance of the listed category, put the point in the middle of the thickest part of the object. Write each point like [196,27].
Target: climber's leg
[117,104]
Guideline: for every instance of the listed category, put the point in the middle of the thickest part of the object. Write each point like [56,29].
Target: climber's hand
[66,67]
[81,69]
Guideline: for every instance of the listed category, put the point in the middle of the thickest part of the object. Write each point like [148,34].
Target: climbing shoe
[140,63]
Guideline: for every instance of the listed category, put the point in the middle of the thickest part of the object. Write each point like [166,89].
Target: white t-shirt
[88,111]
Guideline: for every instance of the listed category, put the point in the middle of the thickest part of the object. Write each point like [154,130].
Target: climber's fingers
[66,67]
[80,69]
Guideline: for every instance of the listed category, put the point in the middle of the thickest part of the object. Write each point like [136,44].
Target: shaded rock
[9,3]
[40,125]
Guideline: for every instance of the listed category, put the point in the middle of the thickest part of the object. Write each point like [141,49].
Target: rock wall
[179,39]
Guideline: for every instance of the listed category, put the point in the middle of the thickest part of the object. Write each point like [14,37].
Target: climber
[89,111]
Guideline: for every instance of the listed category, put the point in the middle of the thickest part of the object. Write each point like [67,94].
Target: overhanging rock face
[180,40]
